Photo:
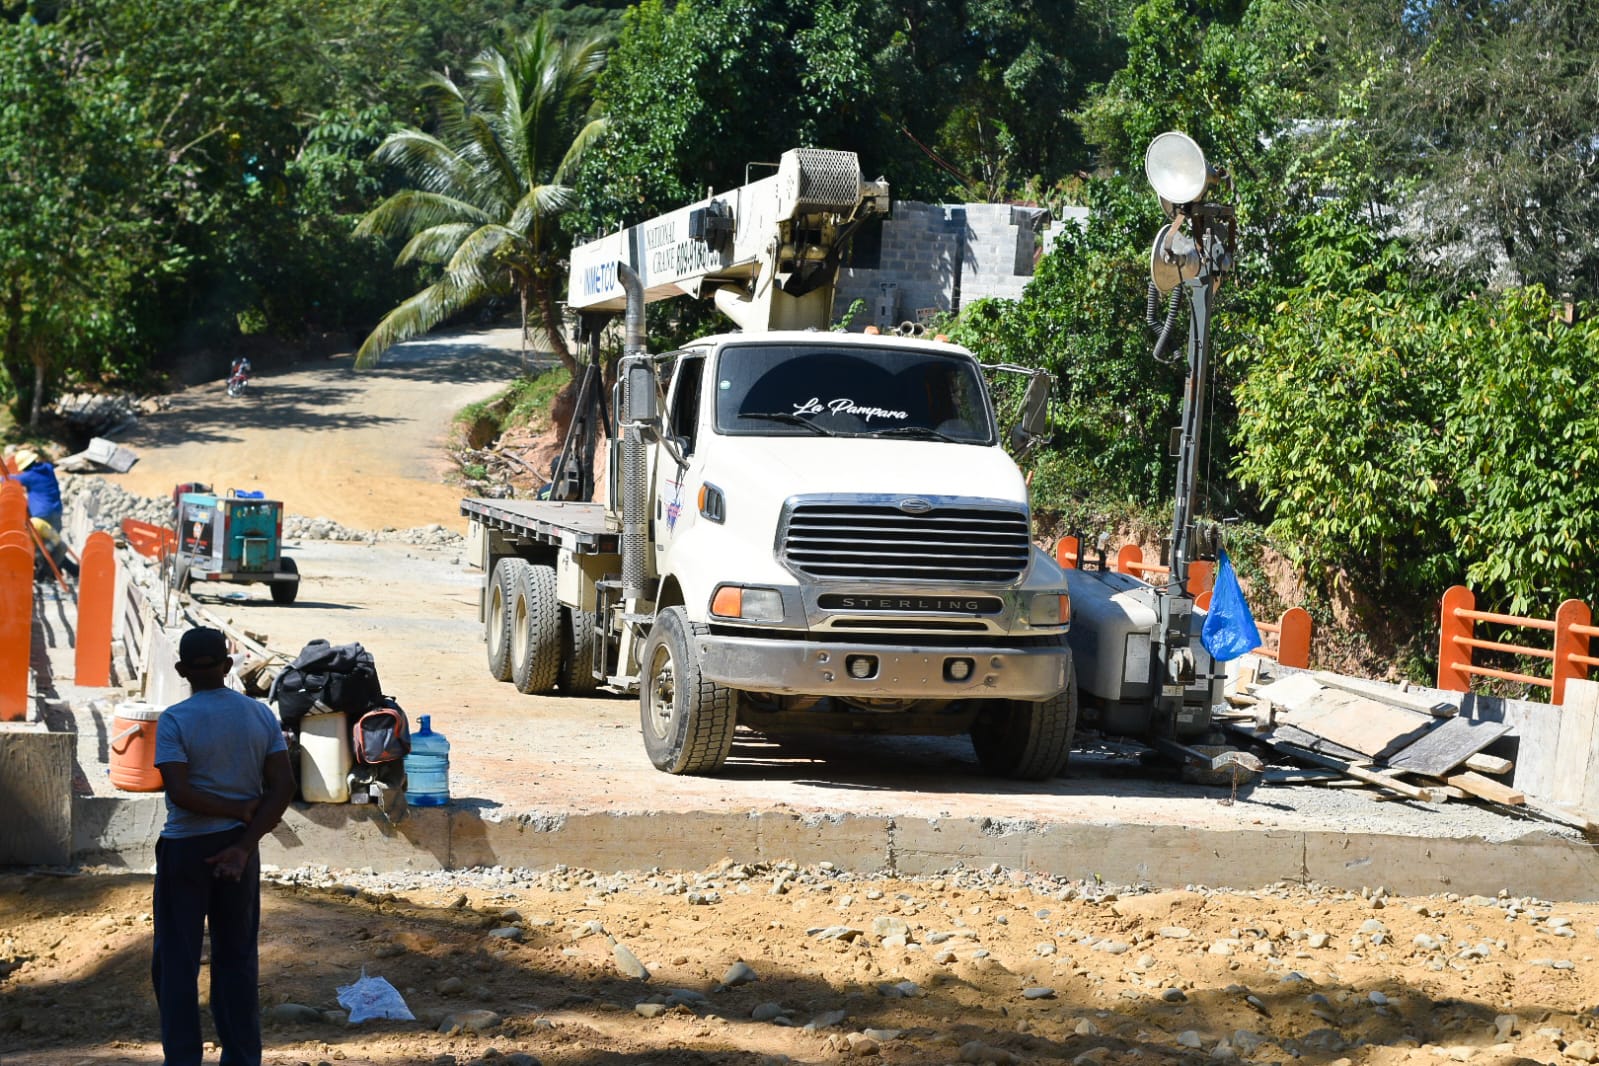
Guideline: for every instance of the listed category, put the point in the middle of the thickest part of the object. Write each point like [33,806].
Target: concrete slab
[35,794]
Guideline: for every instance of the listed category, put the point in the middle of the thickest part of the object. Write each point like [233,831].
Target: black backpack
[342,676]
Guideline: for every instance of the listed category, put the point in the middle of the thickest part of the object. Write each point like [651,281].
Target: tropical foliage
[491,186]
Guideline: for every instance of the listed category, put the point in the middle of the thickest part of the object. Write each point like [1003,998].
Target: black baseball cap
[203,646]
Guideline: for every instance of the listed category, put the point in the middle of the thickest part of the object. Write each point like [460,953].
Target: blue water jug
[427,768]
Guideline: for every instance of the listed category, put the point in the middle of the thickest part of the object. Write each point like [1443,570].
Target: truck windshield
[838,391]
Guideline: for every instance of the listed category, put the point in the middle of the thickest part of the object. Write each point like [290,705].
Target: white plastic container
[325,758]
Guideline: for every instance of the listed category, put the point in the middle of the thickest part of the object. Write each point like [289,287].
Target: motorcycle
[239,377]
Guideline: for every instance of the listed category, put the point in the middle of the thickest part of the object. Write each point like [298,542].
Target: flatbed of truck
[578,527]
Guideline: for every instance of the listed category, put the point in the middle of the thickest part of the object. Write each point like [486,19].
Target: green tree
[491,186]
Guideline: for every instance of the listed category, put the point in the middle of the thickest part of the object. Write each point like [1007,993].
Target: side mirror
[640,395]
[1033,428]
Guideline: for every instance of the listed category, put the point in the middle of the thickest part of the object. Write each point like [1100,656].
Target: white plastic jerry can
[325,758]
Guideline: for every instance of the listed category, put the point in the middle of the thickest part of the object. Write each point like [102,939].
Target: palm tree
[490,186]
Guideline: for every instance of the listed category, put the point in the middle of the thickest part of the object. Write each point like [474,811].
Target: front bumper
[820,668]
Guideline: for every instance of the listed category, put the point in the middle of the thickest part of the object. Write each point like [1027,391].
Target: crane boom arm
[766,252]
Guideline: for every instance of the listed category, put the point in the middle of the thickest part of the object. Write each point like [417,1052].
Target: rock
[1372,925]
[975,1051]
[649,1010]
[1039,992]
[883,1036]
[891,925]
[469,1021]
[1317,940]
[294,1014]
[1247,1042]
[1086,1028]
[1581,1051]
[1045,948]
[451,986]
[522,1058]
[845,932]
[900,990]
[1426,942]
[1094,1056]
[1190,1038]
[628,963]
[740,973]
[1377,999]
[506,932]
[1223,1052]
[1174,932]
[861,1045]
[1505,1026]
[1113,947]
[1145,962]
[1174,995]
[765,1012]
[1222,947]
[826,1020]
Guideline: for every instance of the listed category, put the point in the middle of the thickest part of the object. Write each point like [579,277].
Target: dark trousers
[188,898]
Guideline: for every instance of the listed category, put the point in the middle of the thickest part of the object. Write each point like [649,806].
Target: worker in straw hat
[44,491]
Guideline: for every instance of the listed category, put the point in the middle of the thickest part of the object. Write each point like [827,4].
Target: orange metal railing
[1568,652]
[1292,630]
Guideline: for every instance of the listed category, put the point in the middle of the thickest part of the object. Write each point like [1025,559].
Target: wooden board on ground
[1290,692]
[1291,735]
[1374,729]
[1447,746]
[1384,693]
[1486,788]
[1537,732]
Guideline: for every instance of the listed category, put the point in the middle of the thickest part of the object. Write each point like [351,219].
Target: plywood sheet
[1574,756]
[1447,745]
[1291,692]
[1374,729]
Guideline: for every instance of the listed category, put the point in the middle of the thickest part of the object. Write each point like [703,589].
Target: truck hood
[779,467]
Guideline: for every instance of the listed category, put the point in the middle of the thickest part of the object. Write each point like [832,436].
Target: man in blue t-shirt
[226,769]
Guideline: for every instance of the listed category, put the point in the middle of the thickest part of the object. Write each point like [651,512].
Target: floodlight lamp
[1176,168]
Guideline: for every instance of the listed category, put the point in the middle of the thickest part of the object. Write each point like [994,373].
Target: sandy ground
[362,447]
[975,967]
[967,969]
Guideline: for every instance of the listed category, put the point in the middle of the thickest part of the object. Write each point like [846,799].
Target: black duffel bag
[341,676]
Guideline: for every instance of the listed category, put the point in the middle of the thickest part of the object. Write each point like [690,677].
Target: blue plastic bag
[1230,626]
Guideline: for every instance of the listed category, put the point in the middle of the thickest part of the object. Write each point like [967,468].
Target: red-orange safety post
[1568,654]
[13,506]
[97,590]
[1067,553]
[16,623]
[1292,631]
[1130,560]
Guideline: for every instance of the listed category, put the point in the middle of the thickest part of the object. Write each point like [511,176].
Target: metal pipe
[635,468]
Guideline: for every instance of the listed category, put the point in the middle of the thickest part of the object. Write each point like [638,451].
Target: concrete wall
[35,795]
[938,257]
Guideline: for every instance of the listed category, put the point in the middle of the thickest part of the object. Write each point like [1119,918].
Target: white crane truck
[802,530]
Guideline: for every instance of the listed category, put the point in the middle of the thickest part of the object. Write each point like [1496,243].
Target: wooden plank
[1291,735]
[1374,729]
[1435,708]
[1291,691]
[1574,754]
[1487,788]
[1447,746]
[1582,696]
[1489,764]
[1537,744]
[1424,795]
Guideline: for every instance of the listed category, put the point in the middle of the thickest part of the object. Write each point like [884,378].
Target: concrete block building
[931,258]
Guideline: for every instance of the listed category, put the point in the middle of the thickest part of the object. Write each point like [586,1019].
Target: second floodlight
[1176,168]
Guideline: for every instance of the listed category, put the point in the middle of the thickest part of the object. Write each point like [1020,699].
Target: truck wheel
[535,630]
[688,721]
[283,592]
[1025,740]
[577,652]
[497,629]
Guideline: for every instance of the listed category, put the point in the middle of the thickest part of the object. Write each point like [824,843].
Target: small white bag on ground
[373,997]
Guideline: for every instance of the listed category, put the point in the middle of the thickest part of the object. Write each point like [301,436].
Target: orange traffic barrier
[1292,631]
[1572,627]
[13,506]
[151,541]
[97,590]
[16,623]
[1067,553]
[1130,560]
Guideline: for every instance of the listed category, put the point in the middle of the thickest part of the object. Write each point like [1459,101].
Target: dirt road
[362,447]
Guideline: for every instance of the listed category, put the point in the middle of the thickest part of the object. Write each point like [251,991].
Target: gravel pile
[109,503]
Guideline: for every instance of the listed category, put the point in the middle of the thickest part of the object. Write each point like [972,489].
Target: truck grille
[870,542]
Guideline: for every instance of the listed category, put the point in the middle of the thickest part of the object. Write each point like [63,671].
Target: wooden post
[1453,656]
[16,623]
[1568,643]
[1293,638]
[97,591]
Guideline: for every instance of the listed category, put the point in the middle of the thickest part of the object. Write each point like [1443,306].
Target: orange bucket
[133,748]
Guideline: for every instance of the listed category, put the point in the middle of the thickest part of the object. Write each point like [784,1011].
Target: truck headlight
[747,603]
[1050,609]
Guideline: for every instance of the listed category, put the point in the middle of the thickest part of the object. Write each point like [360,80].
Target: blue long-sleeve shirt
[44,491]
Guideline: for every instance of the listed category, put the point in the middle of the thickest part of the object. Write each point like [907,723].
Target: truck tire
[577,652]
[1028,741]
[497,629]
[283,592]
[535,630]
[687,721]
